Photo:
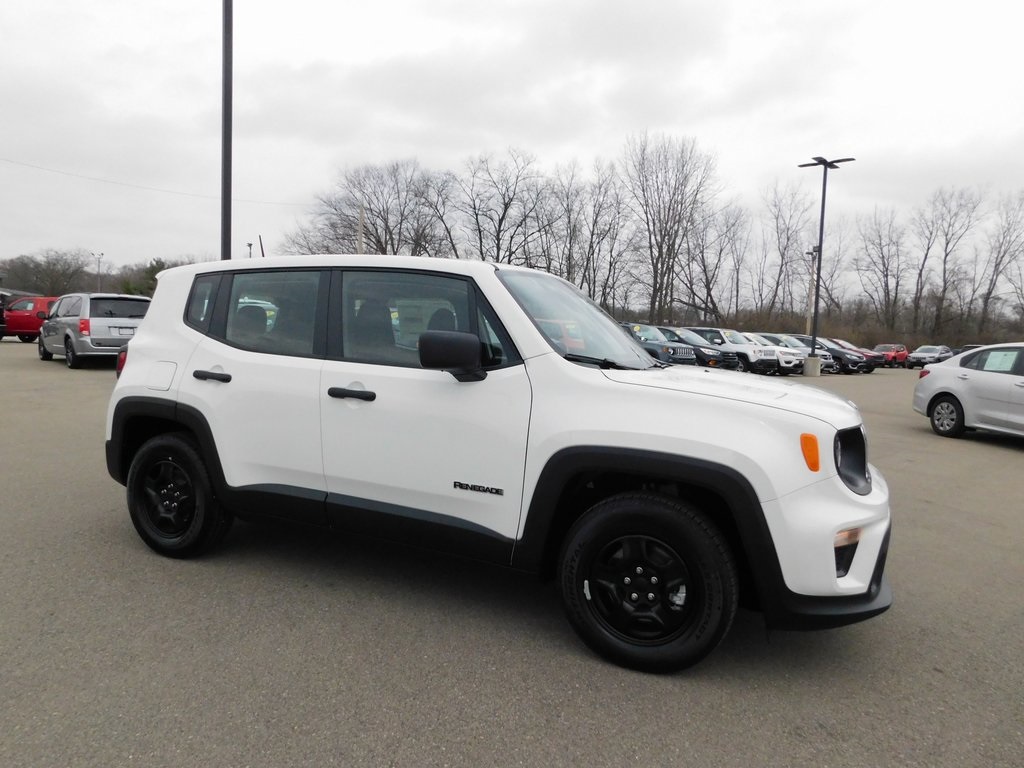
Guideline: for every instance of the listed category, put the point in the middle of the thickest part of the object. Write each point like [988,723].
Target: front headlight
[710,352]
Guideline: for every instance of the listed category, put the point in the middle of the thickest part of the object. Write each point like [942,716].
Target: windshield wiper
[600,362]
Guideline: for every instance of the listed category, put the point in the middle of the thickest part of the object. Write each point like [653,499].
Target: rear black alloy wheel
[947,417]
[44,353]
[170,498]
[72,360]
[648,582]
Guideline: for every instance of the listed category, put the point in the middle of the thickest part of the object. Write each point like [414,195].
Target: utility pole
[225,151]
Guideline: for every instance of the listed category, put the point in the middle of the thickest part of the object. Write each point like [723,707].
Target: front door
[412,453]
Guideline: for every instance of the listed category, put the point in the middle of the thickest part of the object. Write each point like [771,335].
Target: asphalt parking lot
[289,647]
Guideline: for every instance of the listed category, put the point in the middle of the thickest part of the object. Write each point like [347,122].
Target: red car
[895,355]
[22,316]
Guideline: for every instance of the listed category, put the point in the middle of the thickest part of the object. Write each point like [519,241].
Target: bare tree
[788,218]
[713,246]
[608,238]
[942,226]
[881,265]
[668,180]
[498,202]
[379,209]
[437,195]
[1005,247]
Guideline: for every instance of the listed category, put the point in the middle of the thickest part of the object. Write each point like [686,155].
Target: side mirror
[456,352]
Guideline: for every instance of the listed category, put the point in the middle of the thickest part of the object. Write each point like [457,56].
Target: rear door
[995,387]
[258,384]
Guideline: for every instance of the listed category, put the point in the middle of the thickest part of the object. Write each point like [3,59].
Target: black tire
[26,338]
[947,417]
[70,358]
[44,353]
[648,582]
[742,364]
[170,498]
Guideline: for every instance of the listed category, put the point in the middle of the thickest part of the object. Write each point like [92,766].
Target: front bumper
[764,365]
[812,591]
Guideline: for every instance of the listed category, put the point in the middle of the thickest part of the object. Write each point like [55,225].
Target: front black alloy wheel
[648,582]
[170,498]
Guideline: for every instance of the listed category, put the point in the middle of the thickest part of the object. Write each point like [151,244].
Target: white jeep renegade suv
[421,400]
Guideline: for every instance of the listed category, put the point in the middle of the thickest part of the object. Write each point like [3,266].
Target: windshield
[927,349]
[687,336]
[789,341]
[735,337]
[648,332]
[572,323]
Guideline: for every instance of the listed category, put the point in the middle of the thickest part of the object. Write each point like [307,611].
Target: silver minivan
[84,325]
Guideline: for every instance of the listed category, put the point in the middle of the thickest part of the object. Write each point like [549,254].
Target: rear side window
[994,360]
[21,304]
[200,302]
[274,311]
[118,306]
[70,307]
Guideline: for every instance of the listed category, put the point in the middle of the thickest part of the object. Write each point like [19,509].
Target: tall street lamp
[815,368]
[99,273]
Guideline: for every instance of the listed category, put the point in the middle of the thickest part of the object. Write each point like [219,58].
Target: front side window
[383,314]
[71,306]
[23,305]
[273,311]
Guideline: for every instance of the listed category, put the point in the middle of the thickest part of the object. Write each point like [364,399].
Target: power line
[142,186]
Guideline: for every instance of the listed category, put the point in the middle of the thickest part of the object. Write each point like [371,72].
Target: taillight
[83,326]
[923,373]
[122,357]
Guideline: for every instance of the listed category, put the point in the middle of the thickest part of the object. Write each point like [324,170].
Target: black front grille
[851,455]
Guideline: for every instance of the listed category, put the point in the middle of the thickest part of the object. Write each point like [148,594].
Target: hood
[747,388]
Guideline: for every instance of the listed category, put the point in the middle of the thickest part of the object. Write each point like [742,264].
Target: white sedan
[979,389]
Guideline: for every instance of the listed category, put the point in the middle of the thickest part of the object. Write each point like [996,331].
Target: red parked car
[22,316]
[895,355]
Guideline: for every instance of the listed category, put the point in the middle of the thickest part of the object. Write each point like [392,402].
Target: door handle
[212,376]
[358,394]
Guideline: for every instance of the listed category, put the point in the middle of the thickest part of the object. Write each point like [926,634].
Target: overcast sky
[110,110]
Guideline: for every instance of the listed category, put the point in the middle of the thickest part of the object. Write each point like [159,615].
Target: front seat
[442,320]
[371,333]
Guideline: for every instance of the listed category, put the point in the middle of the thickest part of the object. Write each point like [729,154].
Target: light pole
[250,249]
[99,274]
[815,368]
